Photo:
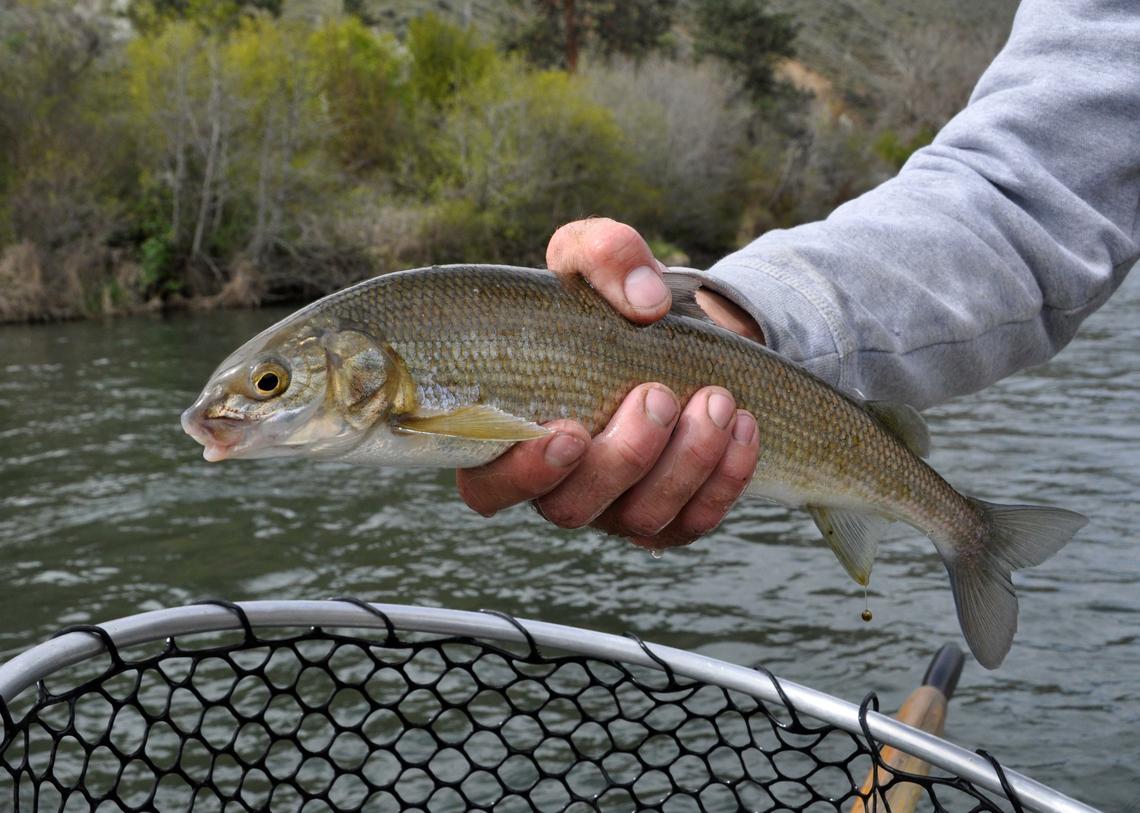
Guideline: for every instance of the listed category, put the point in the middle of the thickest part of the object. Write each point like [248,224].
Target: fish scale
[450,365]
[590,358]
[614,362]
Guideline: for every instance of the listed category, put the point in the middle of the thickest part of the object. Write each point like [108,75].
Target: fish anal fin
[853,536]
[904,422]
[476,422]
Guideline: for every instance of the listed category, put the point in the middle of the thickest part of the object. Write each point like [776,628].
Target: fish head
[311,387]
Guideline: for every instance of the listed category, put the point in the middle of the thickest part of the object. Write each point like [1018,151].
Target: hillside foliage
[230,152]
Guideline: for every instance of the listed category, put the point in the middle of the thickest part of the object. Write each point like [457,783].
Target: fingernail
[564,449]
[661,406]
[745,428]
[644,288]
[721,409]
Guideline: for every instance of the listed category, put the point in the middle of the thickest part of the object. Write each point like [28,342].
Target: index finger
[618,263]
[526,471]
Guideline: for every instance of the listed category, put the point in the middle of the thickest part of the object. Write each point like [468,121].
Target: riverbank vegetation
[214,153]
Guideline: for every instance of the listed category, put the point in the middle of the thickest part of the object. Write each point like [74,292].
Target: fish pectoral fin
[853,536]
[904,422]
[477,422]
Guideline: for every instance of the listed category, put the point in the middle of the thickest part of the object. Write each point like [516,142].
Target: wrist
[726,313]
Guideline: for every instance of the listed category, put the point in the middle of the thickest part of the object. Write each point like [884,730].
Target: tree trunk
[570,24]
[265,167]
[214,111]
[180,121]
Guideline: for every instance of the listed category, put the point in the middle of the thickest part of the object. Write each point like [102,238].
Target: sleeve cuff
[795,310]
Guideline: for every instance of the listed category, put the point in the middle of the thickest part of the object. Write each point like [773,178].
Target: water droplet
[657,553]
[866,614]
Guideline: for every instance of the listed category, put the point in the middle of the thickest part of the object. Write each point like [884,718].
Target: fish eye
[269,379]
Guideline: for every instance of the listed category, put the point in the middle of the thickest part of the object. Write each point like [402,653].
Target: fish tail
[1014,536]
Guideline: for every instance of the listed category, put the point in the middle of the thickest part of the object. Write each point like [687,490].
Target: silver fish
[449,366]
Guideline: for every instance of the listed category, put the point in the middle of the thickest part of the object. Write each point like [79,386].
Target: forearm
[991,246]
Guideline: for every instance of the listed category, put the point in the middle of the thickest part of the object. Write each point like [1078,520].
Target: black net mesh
[315,719]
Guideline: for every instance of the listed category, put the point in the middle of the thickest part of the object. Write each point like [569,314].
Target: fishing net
[317,719]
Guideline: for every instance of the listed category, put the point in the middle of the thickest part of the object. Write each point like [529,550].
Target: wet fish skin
[449,366]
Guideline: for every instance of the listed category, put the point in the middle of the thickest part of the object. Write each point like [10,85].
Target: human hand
[658,474]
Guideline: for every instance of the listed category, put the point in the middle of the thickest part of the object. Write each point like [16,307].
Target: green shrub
[893,149]
[444,60]
[524,152]
[362,82]
[686,128]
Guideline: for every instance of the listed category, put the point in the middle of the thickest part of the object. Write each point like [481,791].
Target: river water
[107,509]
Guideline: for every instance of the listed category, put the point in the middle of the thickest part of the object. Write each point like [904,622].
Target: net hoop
[80,644]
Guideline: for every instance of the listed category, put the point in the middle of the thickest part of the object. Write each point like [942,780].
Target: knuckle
[702,454]
[701,520]
[735,478]
[563,515]
[469,487]
[710,506]
[736,471]
[567,229]
[718,499]
[613,243]
[635,455]
[640,520]
[564,247]
[563,235]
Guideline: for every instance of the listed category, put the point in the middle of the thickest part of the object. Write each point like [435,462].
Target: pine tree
[554,33]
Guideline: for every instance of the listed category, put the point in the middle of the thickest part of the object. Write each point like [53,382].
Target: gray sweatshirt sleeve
[985,253]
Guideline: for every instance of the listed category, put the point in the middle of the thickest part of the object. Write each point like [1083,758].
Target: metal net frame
[347,706]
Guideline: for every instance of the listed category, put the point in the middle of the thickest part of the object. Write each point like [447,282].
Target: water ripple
[106,509]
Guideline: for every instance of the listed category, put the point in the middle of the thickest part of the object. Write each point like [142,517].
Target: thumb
[618,264]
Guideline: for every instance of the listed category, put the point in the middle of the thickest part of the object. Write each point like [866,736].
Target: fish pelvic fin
[1015,536]
[853,536]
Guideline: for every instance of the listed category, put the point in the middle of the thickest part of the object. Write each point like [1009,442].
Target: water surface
[107,509]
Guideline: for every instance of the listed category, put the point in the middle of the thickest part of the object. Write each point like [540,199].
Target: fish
[449,366]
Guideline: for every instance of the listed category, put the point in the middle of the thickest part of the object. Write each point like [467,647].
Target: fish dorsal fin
[683,288]
[683,284]
[902,421]
[853,536]
[477,422]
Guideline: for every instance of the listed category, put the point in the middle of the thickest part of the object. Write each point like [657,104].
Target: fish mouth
[220,436]
[217,452]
